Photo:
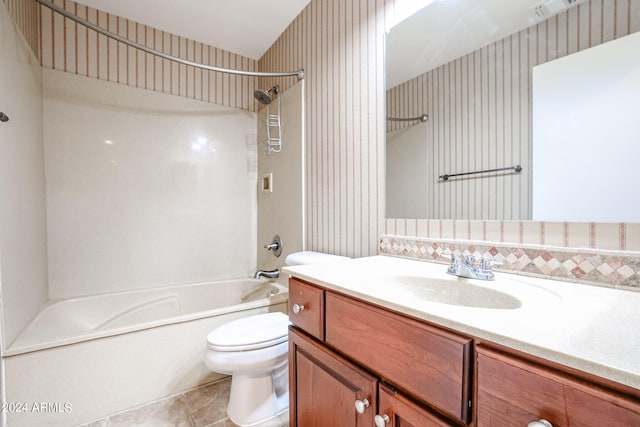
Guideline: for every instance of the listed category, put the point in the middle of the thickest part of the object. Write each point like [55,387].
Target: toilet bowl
[253,350]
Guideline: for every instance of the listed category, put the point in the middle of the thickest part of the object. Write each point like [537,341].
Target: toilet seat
[250,333]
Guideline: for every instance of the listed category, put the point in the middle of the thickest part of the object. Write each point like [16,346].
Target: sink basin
[460,292]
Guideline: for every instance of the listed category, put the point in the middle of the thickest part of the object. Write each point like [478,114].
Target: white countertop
[594,329]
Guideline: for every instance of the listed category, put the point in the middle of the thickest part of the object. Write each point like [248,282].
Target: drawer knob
[297,308]
[540,423]
[381,420]
[361,405]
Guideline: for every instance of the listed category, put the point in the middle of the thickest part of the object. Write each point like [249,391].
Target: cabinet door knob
[297,308]
[361,405]
[540,423]
[381,420]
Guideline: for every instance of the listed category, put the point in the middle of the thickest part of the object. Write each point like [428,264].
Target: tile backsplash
[620,269]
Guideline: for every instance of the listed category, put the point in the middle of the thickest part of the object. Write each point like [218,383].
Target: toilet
[254,351]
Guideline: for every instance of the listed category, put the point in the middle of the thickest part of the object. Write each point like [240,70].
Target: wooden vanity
[354,362]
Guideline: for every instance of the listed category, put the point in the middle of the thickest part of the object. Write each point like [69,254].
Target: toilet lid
[250,333]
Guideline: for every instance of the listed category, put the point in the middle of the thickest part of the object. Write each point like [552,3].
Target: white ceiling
[245,27]
[448,29]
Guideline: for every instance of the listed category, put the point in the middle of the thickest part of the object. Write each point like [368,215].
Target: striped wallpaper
[597,236]
[339,43]
[26,15]
[480,115]
[70,47]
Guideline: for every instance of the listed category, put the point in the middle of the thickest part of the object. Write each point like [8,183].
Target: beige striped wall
[70,47]
[480,115]
[340,45]
[26,15]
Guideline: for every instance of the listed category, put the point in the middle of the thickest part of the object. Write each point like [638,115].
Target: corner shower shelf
[274,129]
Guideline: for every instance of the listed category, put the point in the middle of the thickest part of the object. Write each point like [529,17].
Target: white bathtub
[127,348]
[73,320]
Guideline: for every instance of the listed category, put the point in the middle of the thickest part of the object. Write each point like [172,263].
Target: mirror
[469,65]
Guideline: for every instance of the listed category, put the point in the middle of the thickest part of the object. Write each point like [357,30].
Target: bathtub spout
[271,274]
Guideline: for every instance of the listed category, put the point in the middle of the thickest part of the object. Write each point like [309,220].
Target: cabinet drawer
[430,364]
[306,307]
[514,392]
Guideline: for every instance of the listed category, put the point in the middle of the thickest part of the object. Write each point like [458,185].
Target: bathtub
[62,322]
[102,354]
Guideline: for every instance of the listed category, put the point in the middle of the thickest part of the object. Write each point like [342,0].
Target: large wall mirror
[488,76]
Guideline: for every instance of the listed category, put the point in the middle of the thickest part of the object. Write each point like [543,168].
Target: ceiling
[244,27]
[448,29]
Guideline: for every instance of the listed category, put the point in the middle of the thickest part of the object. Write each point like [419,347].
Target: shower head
[264,96]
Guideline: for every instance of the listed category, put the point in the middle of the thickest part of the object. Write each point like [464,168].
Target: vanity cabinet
[515,392]
[353,363]
[423,372]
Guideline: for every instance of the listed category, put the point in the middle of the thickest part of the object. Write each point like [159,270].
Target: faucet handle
[487,263]
[275,246]
[470,259]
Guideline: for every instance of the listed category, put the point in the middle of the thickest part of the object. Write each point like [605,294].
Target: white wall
[407,172]
[587,139]
[281,211]
[144,189]
[23,262]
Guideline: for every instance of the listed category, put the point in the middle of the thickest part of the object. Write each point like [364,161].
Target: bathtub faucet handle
[275,246]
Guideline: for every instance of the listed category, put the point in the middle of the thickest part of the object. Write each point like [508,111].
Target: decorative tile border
[601,268]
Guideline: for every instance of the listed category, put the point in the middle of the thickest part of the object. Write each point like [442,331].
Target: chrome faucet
[270,274]
[471,268]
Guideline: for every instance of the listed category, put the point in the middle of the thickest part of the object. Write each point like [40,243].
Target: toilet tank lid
[311,257]
[252,332]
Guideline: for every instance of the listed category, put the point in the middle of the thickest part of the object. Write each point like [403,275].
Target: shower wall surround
[63,45]
[144,189]
[23,256]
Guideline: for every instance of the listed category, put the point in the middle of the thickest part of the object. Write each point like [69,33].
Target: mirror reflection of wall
[588,140]
[479,104]
[406,173]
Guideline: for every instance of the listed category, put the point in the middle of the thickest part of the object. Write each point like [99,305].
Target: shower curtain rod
[61,11]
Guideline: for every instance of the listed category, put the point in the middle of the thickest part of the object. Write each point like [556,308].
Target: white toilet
[254,351]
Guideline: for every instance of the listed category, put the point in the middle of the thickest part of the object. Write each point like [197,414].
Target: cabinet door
[428,363]
[324,387]
[515,392]
[395,410]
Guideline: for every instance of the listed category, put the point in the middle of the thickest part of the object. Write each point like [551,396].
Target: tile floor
[204,406]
